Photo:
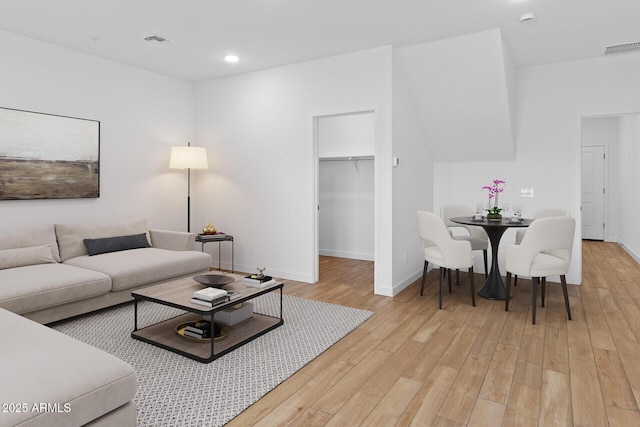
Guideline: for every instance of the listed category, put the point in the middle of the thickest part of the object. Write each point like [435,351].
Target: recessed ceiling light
[231,58]
[527,17]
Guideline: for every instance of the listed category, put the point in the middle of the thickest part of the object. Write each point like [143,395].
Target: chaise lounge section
[52,272]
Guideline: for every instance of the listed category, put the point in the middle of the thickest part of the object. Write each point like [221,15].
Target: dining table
[494,287]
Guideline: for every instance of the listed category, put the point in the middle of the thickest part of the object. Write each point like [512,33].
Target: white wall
[629,202]
[141,115]
[346,214]
[551,100]
[258,128]
[462,88]
[347,135]
[412,178]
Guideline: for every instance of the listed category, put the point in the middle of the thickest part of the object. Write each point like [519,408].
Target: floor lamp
[188,158]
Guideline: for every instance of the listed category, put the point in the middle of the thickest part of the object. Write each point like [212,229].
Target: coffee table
[178,294]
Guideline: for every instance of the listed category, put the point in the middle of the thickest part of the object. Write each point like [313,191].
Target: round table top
[504,222]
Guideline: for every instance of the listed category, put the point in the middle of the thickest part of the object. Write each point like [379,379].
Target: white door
[593,192]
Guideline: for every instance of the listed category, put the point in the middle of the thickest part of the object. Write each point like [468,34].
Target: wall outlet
[526,192]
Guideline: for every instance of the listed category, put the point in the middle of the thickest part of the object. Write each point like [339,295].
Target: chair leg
[534,297]
[515,280]
[424,276]
[449,281]
[486,269]
[442,271]
[563,279]
[506,301]
[457,277]
[543,285]
[473,287]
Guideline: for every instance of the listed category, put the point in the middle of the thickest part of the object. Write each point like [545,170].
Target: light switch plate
[526,192]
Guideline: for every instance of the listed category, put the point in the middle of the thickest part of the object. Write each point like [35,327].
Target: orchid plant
[494,190]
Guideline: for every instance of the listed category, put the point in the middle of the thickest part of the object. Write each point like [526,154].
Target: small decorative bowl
[214,280]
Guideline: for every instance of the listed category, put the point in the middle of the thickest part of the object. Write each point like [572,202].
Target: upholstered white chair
[545,251]
[541,213]
[474,235]
[441,249]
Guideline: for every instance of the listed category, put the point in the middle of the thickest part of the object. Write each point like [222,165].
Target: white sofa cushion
[34,287]
[40,365]
[19,257]
[137,267]
[39,235]
[71,236]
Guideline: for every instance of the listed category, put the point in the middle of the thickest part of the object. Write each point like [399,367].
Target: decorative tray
[214,280]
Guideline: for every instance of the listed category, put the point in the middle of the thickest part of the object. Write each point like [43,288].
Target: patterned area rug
[176,391]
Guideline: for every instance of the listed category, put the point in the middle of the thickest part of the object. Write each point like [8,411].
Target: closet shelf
[346,158]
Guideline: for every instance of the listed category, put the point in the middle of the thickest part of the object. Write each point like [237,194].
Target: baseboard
[630,252]
[399,287]
[350,255]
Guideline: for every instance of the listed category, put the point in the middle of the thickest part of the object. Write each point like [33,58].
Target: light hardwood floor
[414,365]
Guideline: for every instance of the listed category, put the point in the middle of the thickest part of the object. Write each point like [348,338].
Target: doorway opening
[610,145]
[345,202]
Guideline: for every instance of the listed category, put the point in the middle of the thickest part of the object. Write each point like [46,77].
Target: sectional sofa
[56,271]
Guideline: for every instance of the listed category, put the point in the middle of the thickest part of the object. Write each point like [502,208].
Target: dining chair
[545,251]
[474,235]
[441,249]
[541,213]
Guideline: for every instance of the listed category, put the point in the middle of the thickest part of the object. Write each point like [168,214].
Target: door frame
[315,117]
[605,184]
[608,236]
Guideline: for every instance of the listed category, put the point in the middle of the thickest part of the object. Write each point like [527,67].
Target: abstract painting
[46,156]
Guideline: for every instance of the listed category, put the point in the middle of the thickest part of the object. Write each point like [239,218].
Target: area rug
[176,391]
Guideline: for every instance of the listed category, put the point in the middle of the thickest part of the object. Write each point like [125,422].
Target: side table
[206,238]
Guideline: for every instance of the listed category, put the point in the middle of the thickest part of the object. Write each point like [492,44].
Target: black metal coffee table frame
[178,295]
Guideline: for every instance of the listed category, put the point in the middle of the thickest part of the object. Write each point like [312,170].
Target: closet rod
[347,158]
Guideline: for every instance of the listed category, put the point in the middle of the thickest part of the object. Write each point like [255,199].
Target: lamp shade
[188,158]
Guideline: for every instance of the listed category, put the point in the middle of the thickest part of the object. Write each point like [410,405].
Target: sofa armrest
[173,240]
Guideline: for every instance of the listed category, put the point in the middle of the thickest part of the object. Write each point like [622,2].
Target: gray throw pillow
[114,244]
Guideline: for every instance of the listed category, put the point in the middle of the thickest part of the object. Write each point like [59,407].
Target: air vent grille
[619,49]
[156,39]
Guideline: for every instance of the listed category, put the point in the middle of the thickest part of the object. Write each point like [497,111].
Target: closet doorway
[345,215]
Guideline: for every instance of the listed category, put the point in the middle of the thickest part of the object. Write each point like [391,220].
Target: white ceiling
[268,33]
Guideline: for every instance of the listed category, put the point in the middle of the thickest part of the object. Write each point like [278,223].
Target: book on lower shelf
[261,284]
[200,329]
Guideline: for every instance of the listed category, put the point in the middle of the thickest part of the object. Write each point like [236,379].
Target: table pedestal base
[493,287]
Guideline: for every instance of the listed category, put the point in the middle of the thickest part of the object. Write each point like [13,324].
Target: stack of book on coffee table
[257,281]
[210,297]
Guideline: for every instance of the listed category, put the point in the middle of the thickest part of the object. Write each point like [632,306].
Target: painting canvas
[45,156]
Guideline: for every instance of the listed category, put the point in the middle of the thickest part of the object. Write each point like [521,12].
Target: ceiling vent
[619,49]
[156,39]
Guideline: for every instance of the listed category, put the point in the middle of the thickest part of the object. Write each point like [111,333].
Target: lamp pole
[188,196]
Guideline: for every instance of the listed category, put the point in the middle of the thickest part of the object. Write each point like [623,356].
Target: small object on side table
[209,229]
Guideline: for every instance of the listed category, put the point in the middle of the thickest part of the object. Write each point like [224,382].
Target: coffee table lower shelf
[164,335]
